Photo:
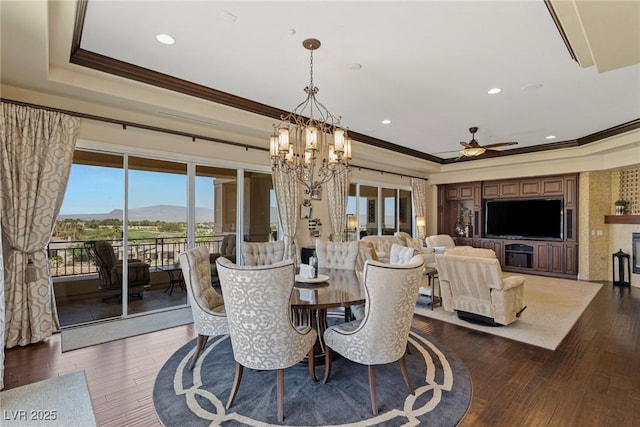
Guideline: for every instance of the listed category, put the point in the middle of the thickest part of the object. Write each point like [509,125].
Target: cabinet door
[453,193]
[571,259]
[553,187]
[466,193]
[530,187]
[509,189]
[571,194]
[556,259]
[542,257]
[490,191]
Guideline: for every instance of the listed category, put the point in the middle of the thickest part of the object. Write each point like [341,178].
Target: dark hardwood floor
[592,379]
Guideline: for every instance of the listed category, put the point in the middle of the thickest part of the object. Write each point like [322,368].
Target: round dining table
[310,301]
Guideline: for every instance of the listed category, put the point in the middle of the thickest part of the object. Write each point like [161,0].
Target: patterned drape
[338,193]
[286,188]
[419,192]
[36,155]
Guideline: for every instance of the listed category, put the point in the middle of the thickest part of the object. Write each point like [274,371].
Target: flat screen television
[533,219]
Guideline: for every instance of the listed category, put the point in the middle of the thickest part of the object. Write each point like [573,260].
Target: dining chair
[262,253]
[257,301]
[382,335]
[207,305]
[337,254]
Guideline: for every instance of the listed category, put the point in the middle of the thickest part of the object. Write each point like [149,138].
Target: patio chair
[110,271]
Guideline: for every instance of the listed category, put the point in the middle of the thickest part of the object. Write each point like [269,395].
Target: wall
[619,235]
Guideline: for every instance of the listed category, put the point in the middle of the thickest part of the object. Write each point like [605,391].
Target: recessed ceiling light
[165,39]
[494,91]
[550,137]
[355,66]
[386,121]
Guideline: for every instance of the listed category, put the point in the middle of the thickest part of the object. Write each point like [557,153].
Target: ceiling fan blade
[500,144]
[465,144]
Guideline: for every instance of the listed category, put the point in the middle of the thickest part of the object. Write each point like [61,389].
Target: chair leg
[327,364]
[202,341]
[405,375]
[372,389]
[236,385]
[280,395]
[312,367]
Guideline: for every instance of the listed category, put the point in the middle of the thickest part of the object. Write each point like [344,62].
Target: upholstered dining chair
[381,336]
[262,253]
[257,301]
[207,305]
[341,255]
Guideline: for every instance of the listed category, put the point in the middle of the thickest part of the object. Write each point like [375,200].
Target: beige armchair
[257,301]
[207,305]
[381,336]
[471,284]
[341,255]
[440,242]
[262,253]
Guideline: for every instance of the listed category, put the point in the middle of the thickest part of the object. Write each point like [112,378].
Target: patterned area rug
[195,398]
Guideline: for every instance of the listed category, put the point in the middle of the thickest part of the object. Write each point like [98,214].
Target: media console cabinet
[551,257]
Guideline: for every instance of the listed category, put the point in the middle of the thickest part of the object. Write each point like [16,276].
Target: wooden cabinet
[551,258]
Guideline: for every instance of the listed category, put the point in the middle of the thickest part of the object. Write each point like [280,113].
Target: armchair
[227,250]
[471,284]
[207,305]
[110,271]
[340,255]
[440,242]
[262,253]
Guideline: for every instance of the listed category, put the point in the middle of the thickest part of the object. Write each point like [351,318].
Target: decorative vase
[619,210]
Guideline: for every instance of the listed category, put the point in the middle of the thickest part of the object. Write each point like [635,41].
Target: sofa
[471,284]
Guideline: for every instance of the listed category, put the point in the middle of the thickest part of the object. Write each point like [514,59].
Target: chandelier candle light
[310,142]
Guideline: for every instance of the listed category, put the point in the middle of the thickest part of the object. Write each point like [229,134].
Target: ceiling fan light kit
[474,149]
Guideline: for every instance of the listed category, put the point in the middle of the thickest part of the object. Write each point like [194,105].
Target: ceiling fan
[473,149]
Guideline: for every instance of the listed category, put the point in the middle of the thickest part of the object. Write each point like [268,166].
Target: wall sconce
[421,226]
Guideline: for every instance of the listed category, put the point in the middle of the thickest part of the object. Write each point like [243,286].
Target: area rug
[553,307]
[59,401]
[196,398]
[100,332]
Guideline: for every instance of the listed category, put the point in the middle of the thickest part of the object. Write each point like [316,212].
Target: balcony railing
[71,258]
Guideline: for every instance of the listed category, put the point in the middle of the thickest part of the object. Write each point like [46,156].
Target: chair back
[104,254]
[228,245]
[262,253]
[466,282]
[440,241]
[205,301]
[340,255]
[257,302]
[392,293]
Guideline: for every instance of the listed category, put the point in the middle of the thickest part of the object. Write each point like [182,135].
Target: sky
[95,189]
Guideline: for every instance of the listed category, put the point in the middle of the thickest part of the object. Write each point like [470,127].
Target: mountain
[167,213]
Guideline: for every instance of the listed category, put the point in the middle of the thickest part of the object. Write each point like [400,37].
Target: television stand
[518,255]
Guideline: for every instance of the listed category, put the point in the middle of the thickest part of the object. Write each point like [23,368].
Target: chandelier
[309,142]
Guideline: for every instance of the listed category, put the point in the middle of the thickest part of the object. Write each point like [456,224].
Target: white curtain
[338,193]
[286,188]
[35,157]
